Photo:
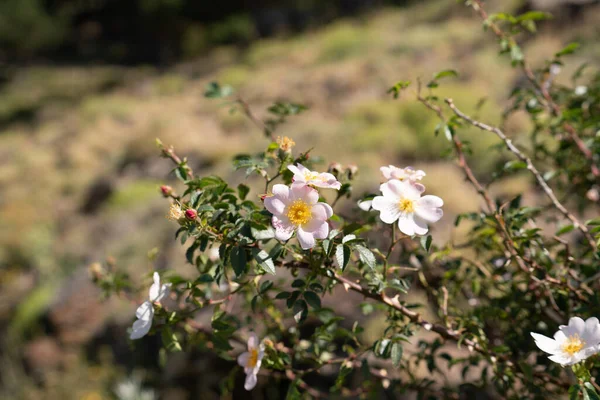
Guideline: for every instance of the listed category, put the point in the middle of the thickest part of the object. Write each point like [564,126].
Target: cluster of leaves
[523,269]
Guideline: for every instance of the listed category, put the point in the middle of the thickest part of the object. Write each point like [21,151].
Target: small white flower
[296,208]
[402,174]
[175,212]
[581,90]
[251,360]
[402,202]
[572,343]
[304,176]
[145,312]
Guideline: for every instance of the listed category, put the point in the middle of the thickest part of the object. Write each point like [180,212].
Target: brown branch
[543,89]
[255,120]
[541,181]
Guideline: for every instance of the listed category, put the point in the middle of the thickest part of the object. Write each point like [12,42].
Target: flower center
[299,212]
[253,359]
[406,205]
[310,176]
[573,344]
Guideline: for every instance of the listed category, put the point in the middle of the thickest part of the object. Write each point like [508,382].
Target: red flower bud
[191,214]
[166,190]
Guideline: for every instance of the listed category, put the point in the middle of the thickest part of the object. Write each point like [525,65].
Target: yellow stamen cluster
[573,344]
[406,205]
[285,143]
[299,212]
[252,359]
[175,212]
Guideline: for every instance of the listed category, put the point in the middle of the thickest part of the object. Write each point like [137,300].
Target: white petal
[430,201]
[545,343]
[155,288]
[388,208]
[421,227]
[387,171]
[306,239]
[281,196]
[164,291]
[243,359]
[252,341]
[284,229]
[410,190]
[294,169]
[562,359]
[321,211]
[306,193]
[145,311]
[317,228]
[250,381]
[391,190]
[407,225]
[591,335]
[140,328]
[576,327]
[429,214]
[365,205]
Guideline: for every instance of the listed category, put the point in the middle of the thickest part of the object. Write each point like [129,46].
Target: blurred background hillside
[86,86]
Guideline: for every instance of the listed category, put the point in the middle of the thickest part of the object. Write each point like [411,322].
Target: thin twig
[543,89]
[541,181]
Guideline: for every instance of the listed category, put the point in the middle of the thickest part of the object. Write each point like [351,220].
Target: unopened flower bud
[96,271]
[191,214]
[166,190]
[593,194]
[335,168]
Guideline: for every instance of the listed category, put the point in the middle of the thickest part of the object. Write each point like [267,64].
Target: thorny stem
[541,181]
[543,89]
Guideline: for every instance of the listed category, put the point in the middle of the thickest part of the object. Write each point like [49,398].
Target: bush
[279,304]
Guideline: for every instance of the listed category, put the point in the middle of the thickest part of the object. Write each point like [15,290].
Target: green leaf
[366,256]
[214,91]
[591,391]
[243,191]
[565,229]
[574,392]
[396,90]
[238,260]
[515,165]
[268,233]
[170,341]
[342,255]
[444,74]
[534,16]
[266,285]
[312,299]
[593,222]
[426,242]
[568,49]
[189,254]
[283,295]
[396,355]
[265,261]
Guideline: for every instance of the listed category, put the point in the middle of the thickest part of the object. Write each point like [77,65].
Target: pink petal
[306,239]
[284,229]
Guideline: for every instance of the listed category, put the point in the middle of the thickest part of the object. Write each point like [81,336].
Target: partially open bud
[351,170]
[191,214]
[166,190]
[335,169]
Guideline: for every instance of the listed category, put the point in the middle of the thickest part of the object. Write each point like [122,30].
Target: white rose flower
[304,176]
[572,343]
[145,312]
[402,202]
[402,174]
[296,208]
[251,360]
